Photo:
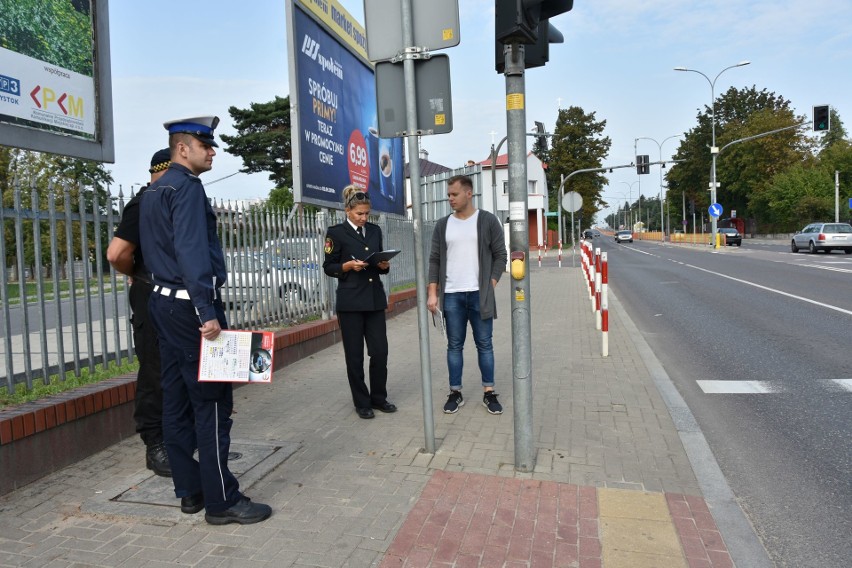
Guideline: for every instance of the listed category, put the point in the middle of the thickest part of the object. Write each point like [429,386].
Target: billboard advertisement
[54,78]
[333,100]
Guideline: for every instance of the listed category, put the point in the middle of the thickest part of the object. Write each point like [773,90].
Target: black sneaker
[489,401]
[243,511]
[454,401]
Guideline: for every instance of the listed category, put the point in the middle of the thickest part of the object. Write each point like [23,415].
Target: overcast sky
[178,59]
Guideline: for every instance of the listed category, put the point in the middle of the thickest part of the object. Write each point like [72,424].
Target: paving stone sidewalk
[612,485]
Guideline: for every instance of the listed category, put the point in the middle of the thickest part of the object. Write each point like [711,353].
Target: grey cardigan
[492,259]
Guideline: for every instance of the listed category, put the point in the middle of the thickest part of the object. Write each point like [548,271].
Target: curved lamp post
[714,151]
[660,148]
[630,202]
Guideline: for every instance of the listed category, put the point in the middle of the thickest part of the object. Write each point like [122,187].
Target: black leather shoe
[243,511]
[192,504]
[385,406]
[365,413]
[157,460]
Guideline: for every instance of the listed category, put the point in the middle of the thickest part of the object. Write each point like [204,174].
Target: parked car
[823,237]
[624,236]
[731,236]
[251,280]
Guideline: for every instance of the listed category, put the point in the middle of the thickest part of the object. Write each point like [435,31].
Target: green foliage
[263,140]
[578,143]
[36,176]
[55,31]
[71,381]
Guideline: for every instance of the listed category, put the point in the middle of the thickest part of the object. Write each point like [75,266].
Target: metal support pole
[519,242]
[836,196]
[416,205]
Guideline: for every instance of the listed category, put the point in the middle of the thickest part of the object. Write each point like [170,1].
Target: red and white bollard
[604,306]
[560,253]
[595,269]
[597,288]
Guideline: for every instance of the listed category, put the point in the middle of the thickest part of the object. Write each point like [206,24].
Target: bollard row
[596,273]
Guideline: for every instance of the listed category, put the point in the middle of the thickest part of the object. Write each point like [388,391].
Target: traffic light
[536,54]
[642,166]
[542,139]
[822,118]
[518,21]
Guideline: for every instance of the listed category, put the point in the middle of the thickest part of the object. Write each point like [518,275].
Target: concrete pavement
[613,485]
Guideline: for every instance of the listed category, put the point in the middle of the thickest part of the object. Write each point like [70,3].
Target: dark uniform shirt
[177,254]
[128,230]
[357,291]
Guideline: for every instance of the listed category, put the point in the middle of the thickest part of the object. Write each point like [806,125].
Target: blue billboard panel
[337,126]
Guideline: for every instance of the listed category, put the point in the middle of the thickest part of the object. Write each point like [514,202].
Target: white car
[252,281]
[824,237]
[624,237]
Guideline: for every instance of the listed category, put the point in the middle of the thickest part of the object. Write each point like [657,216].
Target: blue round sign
[715,209]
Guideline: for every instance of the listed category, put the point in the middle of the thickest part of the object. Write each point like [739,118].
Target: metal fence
[65,308]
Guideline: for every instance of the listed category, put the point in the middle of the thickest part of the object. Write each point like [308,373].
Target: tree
[745,169]
[263,140]
[836,134]
[578,143]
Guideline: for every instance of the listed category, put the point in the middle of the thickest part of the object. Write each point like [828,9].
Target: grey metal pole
[519,242]
[417,213]
[559,207]
[836,196]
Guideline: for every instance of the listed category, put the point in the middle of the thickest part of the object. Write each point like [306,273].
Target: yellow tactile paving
[637,530]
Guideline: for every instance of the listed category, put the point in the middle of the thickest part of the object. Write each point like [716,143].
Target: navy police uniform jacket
[357,291]
[176,257]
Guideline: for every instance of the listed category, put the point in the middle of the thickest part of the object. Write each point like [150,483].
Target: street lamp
[630,202]
[714,151]
[660,148]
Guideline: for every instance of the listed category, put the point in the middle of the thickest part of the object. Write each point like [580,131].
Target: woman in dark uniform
[361,300]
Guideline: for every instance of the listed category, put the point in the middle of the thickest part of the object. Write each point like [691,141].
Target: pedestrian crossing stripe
[765,387]
[735,387]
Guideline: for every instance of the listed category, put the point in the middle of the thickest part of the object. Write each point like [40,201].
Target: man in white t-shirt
[468,258]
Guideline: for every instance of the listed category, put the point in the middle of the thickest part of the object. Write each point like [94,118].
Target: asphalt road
[759,313]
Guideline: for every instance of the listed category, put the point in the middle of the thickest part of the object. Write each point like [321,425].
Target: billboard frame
[102,149]
[349,35]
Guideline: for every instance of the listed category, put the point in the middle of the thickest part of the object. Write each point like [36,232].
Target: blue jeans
[459,309]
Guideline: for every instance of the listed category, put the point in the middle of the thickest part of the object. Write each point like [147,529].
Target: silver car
[823,237]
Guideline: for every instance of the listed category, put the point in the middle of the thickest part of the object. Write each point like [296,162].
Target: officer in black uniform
[125,255]
[361,301]
[187,266]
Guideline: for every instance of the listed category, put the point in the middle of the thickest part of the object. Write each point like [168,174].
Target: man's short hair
[465,181]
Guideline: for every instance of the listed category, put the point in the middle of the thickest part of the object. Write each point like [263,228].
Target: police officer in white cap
[184,256]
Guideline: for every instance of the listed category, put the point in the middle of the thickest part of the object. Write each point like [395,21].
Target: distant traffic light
[642,166]
[822,118]
[542,139]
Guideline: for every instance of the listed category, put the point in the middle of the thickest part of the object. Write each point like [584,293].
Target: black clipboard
[378,257]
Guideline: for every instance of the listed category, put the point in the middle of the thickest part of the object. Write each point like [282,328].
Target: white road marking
[845,383]
[736,387]
[768,289]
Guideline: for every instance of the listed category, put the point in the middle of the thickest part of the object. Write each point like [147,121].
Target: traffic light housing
[822,118]
[518,21]
[535,54]
[642,164]
[542,139]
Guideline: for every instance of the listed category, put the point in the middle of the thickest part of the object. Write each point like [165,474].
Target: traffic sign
[850,203]
[435,26]
[715,210]
[572,201]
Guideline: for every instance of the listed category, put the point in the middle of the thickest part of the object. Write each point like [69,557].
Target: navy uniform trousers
[149,396]
[195,415]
